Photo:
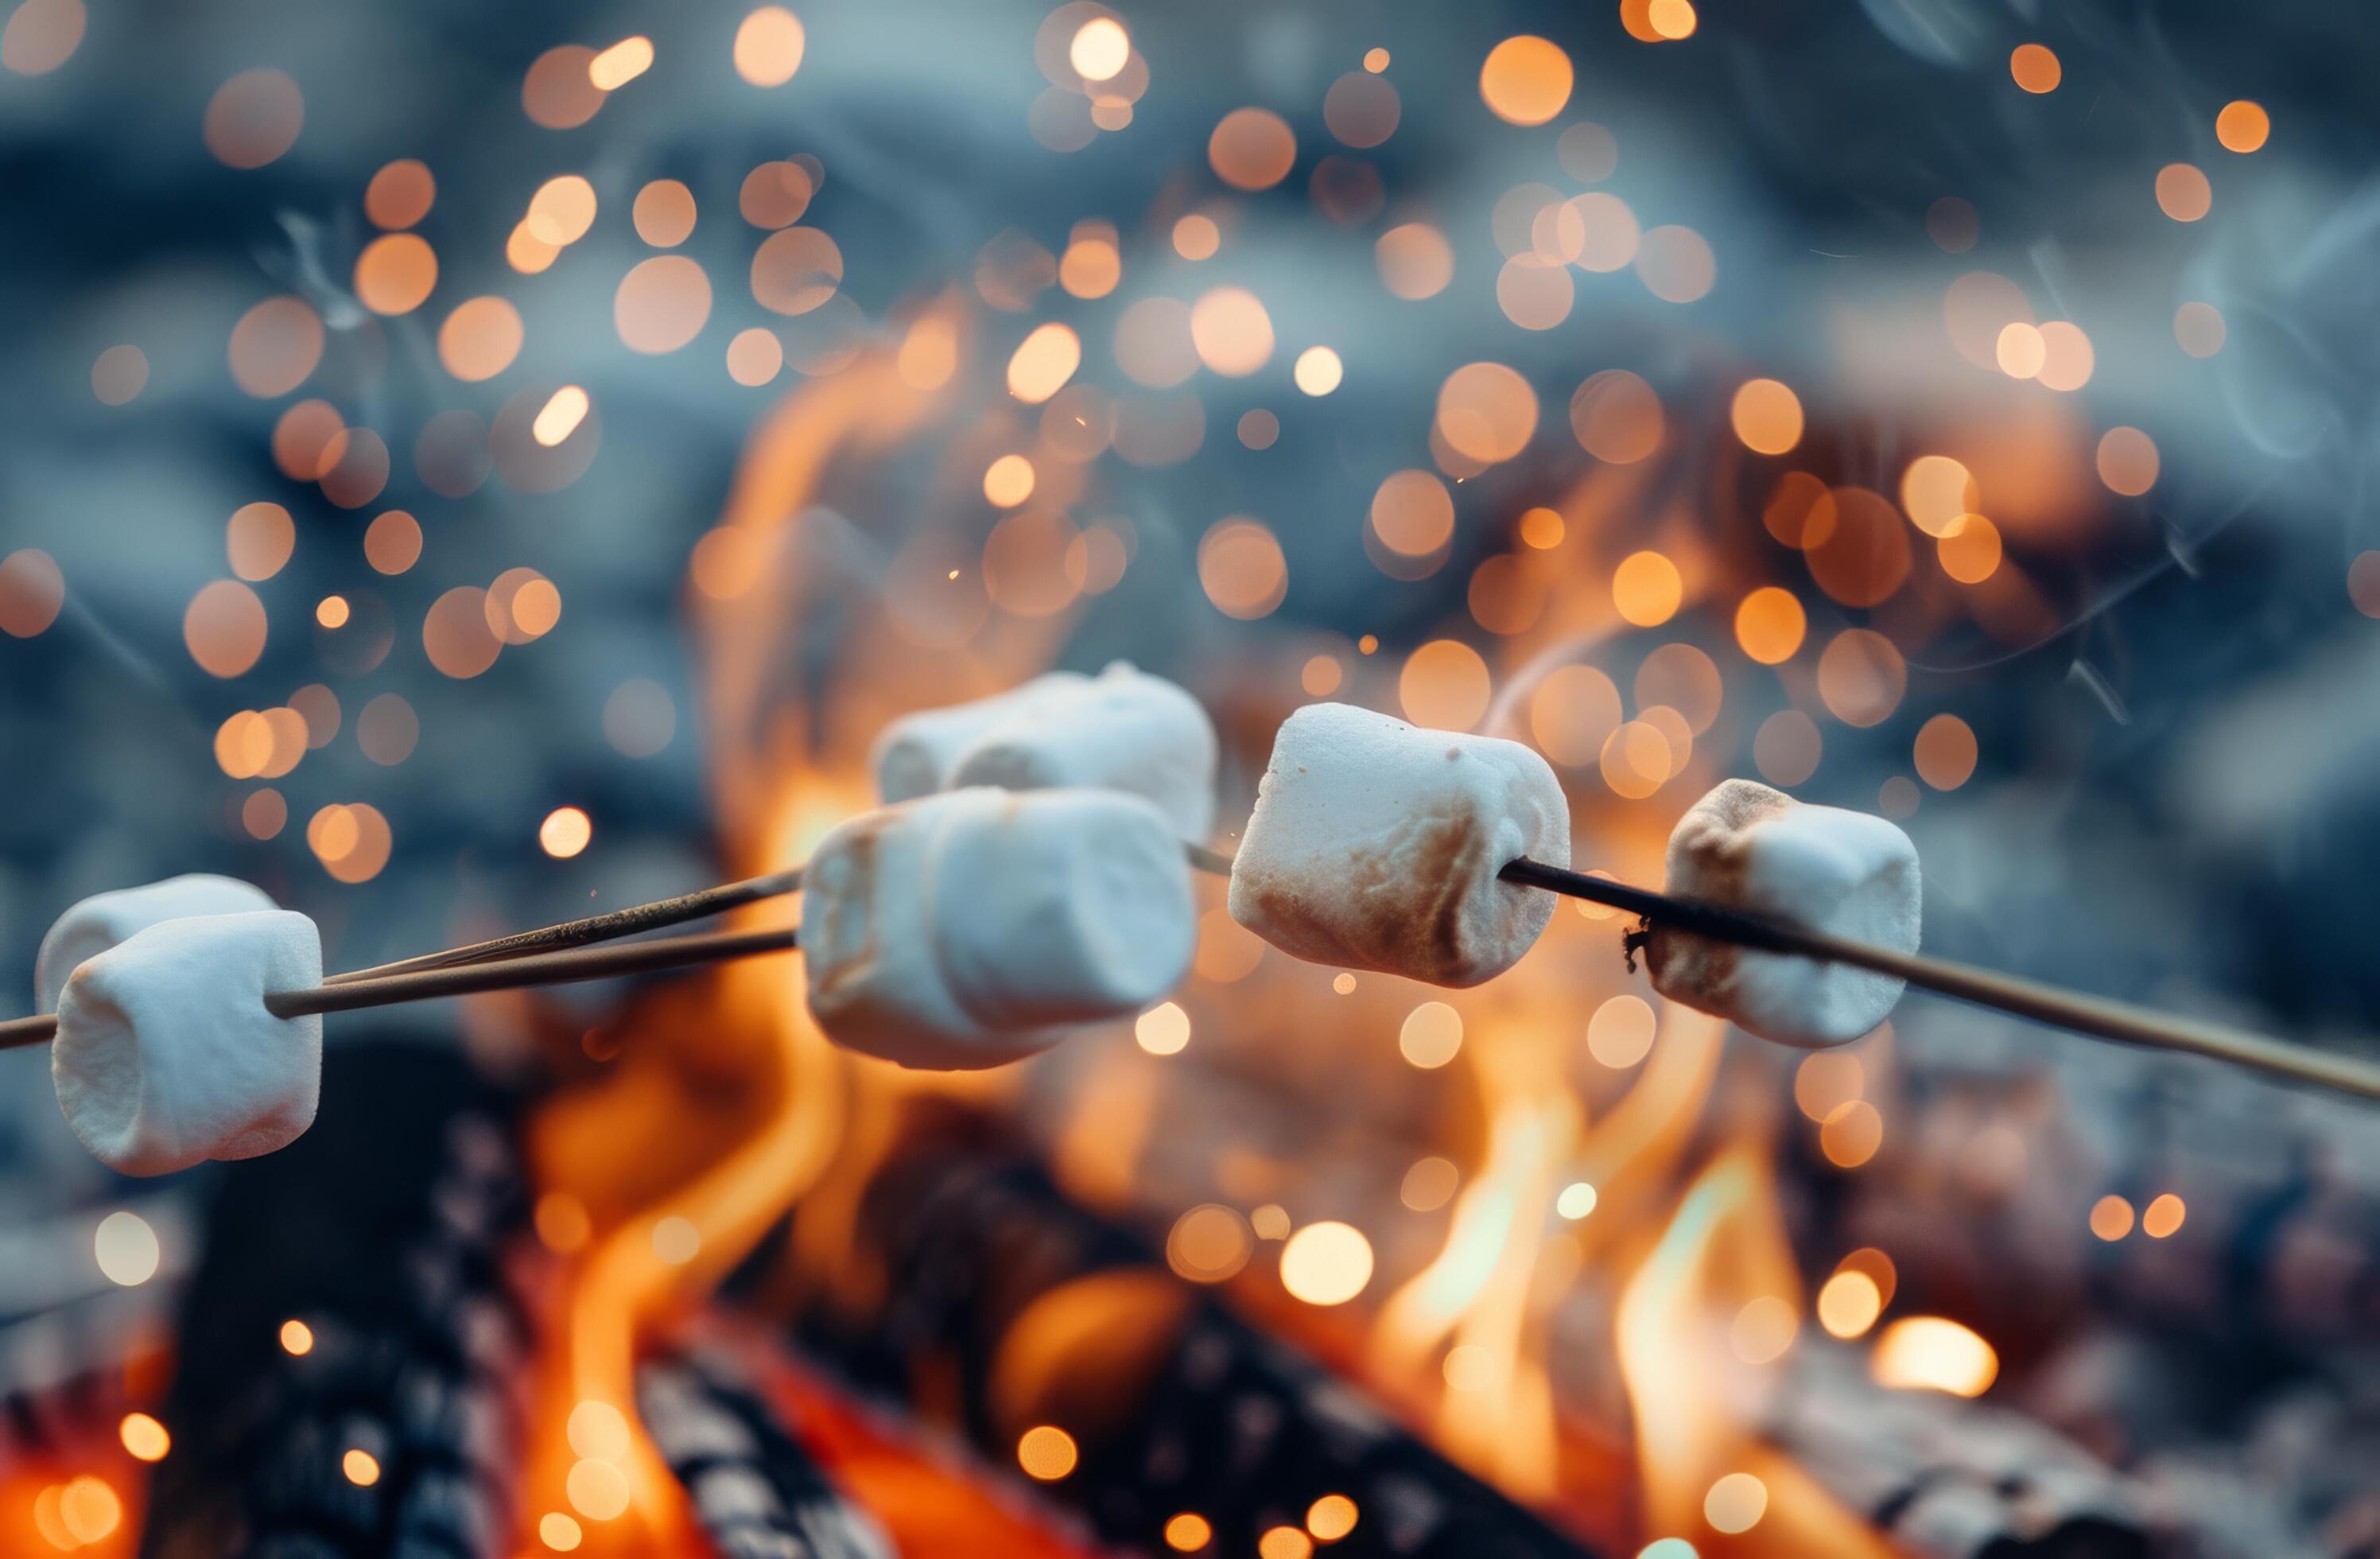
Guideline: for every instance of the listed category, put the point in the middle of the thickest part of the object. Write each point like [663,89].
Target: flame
[742,1065]
[690,1147]
[1684,1345]
[1499,1416]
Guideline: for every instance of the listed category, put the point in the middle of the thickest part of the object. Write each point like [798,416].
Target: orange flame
[686,1153]
[1716,1304]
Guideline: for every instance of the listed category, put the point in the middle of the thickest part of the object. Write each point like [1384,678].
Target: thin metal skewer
[561,967]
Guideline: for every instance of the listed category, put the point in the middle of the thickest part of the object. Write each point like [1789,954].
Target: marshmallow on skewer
[968,929]
[1750,847]
[1121,730]
[102,920]
[165,1055]
[914,755]
[1376,845]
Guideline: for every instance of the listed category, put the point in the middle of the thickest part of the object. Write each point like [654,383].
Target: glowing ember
[564,831]
[144,1438]
[560,414]
[1526,81]
[2036,67]
[621,64]
[1327,1264]
[1099,49]
[1317,372]
[769,45]
[1928,1353]
[1046,1453]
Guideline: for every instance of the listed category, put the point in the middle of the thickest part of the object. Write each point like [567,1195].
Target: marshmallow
[1751,847]
[968,929]
[1374,846]
[164,1054]
[100,922]
[914,755]
[1121,730]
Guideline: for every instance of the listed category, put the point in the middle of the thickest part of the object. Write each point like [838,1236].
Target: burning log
[1002,1308]
[1946,1479]
[755,1490]
[349,1352]
[2287,1473]
[2244,1215]
[2235,1461]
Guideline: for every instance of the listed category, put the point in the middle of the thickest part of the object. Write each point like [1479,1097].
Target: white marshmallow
[1751,847]
[914,755]
[968,929]
[165,1055]
[1374,846]
[100,922]
[1121,730]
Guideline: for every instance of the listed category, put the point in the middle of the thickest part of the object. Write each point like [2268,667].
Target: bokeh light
[1526,81]
[1326,1263]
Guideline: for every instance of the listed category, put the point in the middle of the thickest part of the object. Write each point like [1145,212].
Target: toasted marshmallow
[1848,874]
[968,929]
[1121,730]
[1374,846]
[915,755]
[100,922]
[164,1054]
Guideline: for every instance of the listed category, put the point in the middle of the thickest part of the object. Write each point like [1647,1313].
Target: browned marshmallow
[1750,847]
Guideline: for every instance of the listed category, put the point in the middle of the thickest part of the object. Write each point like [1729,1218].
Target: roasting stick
[638,918]
[594,928]
[2096,1016]
[559,954]
[562,967]
[648,917]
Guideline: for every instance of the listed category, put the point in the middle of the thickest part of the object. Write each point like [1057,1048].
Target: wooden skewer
[561,967]
[2026,998]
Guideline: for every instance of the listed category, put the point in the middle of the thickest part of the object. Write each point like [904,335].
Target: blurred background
[468,466]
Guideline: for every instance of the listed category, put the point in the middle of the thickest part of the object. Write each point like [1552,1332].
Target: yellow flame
[1722,1253]
[785,1113]
[1724,1249]
[1479,1298]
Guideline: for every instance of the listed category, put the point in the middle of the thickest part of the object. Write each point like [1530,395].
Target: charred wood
[380,1232]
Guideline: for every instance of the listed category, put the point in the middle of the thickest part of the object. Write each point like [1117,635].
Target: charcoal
[1197,1410]
[382,1229]
[754,1488]
[758,1542]
[449,1508]
[1992,1160]
[726,1495]
[1948,1478]
[299,1545]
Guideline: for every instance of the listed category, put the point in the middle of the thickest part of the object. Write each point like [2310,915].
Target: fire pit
[530,459]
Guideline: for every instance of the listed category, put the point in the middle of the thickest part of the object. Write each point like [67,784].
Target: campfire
[1487,1224]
